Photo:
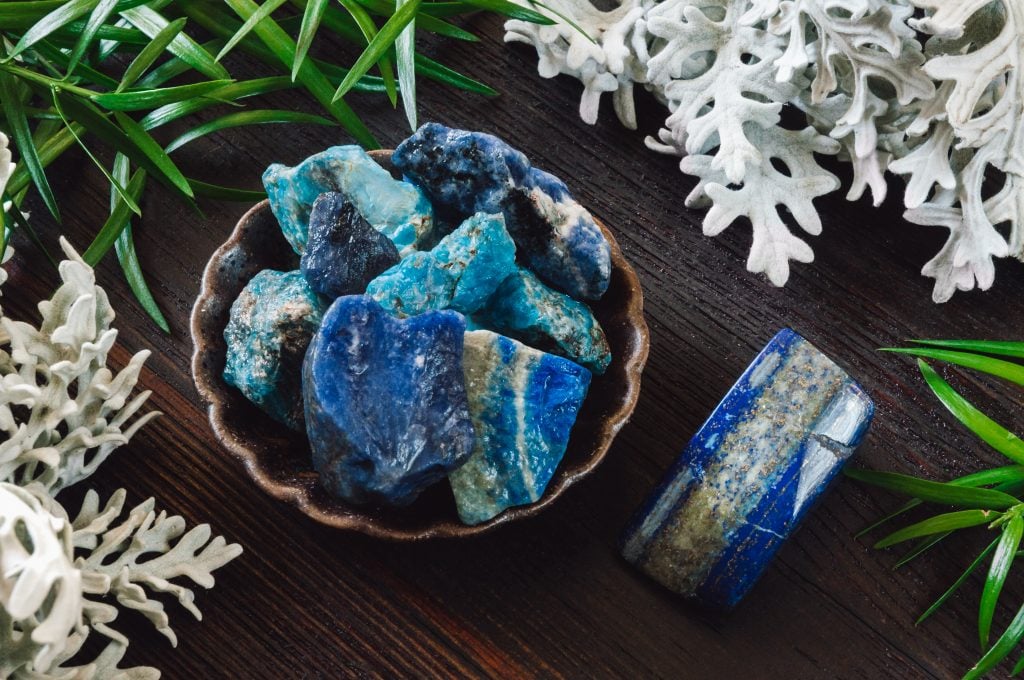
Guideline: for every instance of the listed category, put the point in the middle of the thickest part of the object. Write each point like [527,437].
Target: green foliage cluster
[78,72]
[993,498]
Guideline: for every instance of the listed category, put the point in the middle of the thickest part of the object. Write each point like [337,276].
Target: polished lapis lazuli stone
[343,253]
[466,172]
[750,474]
[386,409]
[527,310]
[396,208]
[523,403]
[460,273]
[269,329]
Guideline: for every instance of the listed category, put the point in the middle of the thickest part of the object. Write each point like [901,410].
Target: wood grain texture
[549,597]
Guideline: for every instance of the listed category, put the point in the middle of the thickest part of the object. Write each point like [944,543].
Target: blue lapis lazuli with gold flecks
[750,474]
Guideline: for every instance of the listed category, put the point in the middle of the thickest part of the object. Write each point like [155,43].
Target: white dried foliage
[945,115]
[62,413]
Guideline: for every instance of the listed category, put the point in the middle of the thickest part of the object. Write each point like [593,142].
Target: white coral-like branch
[79,411]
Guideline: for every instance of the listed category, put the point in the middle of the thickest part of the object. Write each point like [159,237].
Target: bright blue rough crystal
[397,209]
[386,409]
[270,326]
[343,253]
[527,310]
[460,273]
[750,474]
[523,403]
[466,172]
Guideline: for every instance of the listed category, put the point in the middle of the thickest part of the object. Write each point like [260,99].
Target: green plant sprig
[993,498]
[83,72]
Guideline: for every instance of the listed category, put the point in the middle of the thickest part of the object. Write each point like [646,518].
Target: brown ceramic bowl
[278,459]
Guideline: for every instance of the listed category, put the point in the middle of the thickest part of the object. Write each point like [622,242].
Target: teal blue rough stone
[270,327]
[527,310]
[386,408]
[523,403]
[460,273]
[396,208]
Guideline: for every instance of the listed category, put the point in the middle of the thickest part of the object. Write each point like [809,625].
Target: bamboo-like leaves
[936,492]
[310,23]
[246,118]
[14,112]
[377,47]
[950,521]
[55,20]
[264,11]
[1002,559]
[405,49]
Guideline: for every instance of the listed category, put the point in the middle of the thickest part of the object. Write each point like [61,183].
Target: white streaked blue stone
[527,310]
[466,172]
[460,273]
[396,208]
[750,474]
[523,403]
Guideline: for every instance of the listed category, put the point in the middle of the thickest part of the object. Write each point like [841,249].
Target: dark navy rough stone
[386,408]
[527,310]
[466,172]
[343,251]
[396,208]
[460,273]
[271,324]
[750,474]
[523,403]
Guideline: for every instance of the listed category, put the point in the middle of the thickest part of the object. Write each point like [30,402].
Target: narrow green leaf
[283,47]
[956,584]
[14,112]
[58,56]
[1018,667]
[405,53]
[988,430]
[116,223]
[265,10]
[310,23]
[566,19]
[935,492]
[222,193]
[96,19]
[997,367]
[1009,348]
[128,258]
[1001,649]
[63,15]
[369,29]
[49,151]
[150,22]
[156,155]
[117,186]
[14,219]
[136,100]
[509,9]
[377,47]
[1002,560]
[923,546]
[960,519]
[245,118]
[150,53]
[233,92]
[24,14]
[433,70]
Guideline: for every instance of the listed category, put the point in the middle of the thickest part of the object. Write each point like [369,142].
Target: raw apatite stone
[344,253]
[750,474]
[397,209]
[467,172]
[523,403]
[460,273]
[271,324]
[386,408]
[527,310]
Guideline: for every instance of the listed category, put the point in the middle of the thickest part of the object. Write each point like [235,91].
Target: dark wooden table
[550,597]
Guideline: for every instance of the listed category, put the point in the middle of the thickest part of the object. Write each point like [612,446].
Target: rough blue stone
[343,253]
[397,209]
[270,326]
[527,310]
[460,273]
[467,172]
[386,408]
[750,474]
[523,403]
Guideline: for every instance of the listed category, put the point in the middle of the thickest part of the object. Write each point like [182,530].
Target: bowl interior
[279,459]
